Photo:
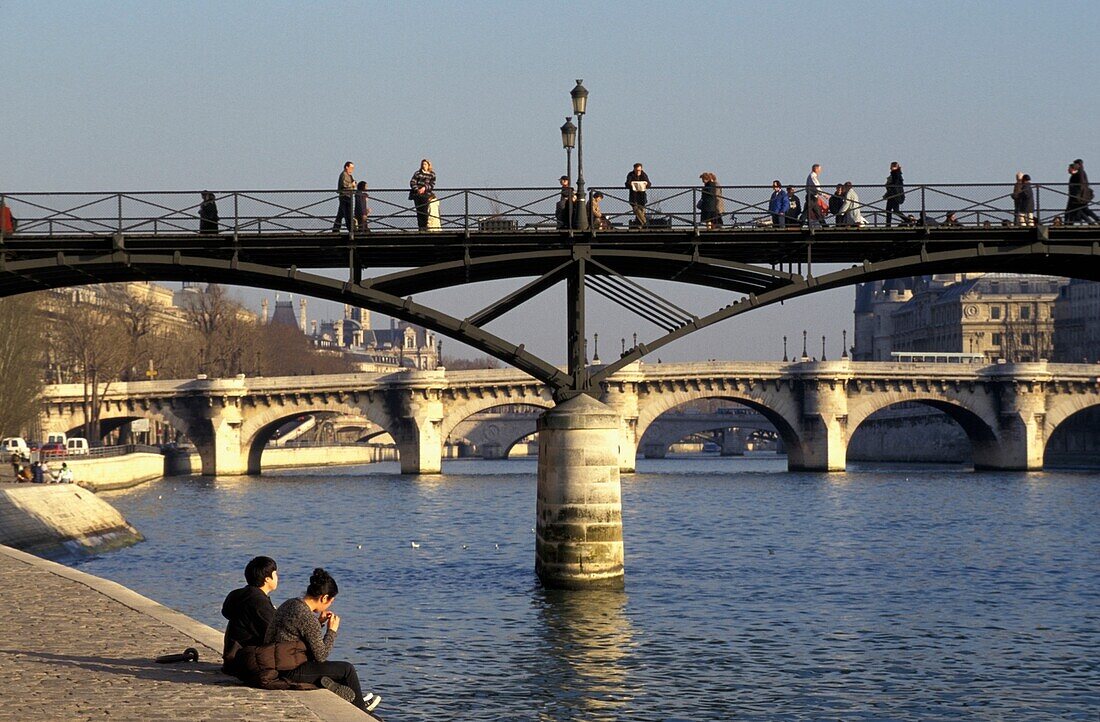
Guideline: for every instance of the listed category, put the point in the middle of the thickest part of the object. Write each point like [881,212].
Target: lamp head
[569,134]
[580,98]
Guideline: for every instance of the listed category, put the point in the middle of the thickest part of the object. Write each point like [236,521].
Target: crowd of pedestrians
[817,207]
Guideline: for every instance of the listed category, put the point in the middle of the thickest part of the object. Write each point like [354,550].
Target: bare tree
[22,357]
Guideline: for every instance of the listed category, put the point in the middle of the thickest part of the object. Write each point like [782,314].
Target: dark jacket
[895,187]
[637,197]
[208,216]
[779,203]
[1023,198]
[249,612]
[794,208]
[708,202]
[421,179]
[260,666]
[1078,190]
[836,202]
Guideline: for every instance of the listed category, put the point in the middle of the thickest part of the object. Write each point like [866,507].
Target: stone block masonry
[60,521]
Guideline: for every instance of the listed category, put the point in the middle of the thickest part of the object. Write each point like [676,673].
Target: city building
[990,316]
[1077,323]
[402,345]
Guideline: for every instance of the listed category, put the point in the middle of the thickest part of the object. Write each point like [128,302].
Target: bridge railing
[489,210]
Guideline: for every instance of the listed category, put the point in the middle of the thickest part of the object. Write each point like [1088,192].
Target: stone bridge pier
[579,524]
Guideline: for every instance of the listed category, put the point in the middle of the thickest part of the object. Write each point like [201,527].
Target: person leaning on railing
[208,213]
[778,205]
[345,189]
[638,183]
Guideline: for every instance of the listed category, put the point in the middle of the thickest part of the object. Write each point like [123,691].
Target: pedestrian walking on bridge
[345,189]
[1080,195]
[779,205]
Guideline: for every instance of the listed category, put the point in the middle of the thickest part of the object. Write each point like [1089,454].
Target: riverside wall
[60,521]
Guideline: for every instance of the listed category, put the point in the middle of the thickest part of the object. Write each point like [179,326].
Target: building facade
[992,316]
[1077,323]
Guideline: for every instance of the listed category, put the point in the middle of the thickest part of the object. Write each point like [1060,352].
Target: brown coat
[260,666]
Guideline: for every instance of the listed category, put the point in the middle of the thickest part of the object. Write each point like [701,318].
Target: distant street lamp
[784,349]
[596,348]
[580,104]
[569,141]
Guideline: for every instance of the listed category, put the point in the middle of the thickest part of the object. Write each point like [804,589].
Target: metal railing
[94,452]
[498,210]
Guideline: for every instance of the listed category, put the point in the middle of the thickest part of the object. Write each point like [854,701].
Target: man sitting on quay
[249,609]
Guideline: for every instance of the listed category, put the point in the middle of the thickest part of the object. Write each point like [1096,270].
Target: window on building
[996,339]
[1025,311]
[995,312]
[1025,339]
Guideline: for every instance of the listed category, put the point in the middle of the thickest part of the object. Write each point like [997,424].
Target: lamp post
[580,104]
[569,141]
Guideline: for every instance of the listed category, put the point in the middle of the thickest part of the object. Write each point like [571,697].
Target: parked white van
[15,445]
[76,446]
[56,437]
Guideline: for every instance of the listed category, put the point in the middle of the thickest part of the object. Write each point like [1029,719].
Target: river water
[887,593]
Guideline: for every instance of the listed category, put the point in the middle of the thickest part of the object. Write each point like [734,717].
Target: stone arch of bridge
[1063,411]
[258,427]
[1066,407]
[668,439]
[110,420]
[778,408]
[976,416]
[461,411]
[508,432]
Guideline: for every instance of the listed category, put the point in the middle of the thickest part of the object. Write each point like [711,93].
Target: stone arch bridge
[1008,411]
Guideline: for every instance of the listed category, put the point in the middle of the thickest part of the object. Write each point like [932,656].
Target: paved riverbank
[78,647]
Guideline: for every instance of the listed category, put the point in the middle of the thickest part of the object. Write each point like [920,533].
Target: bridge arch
[776,407]
[1071,425]
[976,416]
[496,436]
[258,428]
[656,444]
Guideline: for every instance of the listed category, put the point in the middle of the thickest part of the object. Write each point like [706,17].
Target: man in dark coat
[895,192]
[1080,195]
[249,609]
[638,183]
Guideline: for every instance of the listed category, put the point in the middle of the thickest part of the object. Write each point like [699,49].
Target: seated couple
[285,648]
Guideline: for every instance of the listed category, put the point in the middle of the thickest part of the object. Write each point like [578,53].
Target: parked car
[52,449]
[76,446]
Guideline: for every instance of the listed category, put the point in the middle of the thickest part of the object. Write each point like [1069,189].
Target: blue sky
[185,95]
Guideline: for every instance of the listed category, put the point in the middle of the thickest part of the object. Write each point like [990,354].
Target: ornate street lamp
[569,141]
[580,103]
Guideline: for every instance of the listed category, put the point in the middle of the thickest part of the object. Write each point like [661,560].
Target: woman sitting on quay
[300,620]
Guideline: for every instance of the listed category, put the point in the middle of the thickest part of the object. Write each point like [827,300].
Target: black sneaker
[342,691]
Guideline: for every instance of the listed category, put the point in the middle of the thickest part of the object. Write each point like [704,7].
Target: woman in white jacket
[851,211]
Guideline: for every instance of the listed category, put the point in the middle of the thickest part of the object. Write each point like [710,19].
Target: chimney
[263,311]
[313,327]
[347,310]
[339,328]
[302,314]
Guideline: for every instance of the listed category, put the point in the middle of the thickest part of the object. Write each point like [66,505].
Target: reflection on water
[752,594]
[585,637]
